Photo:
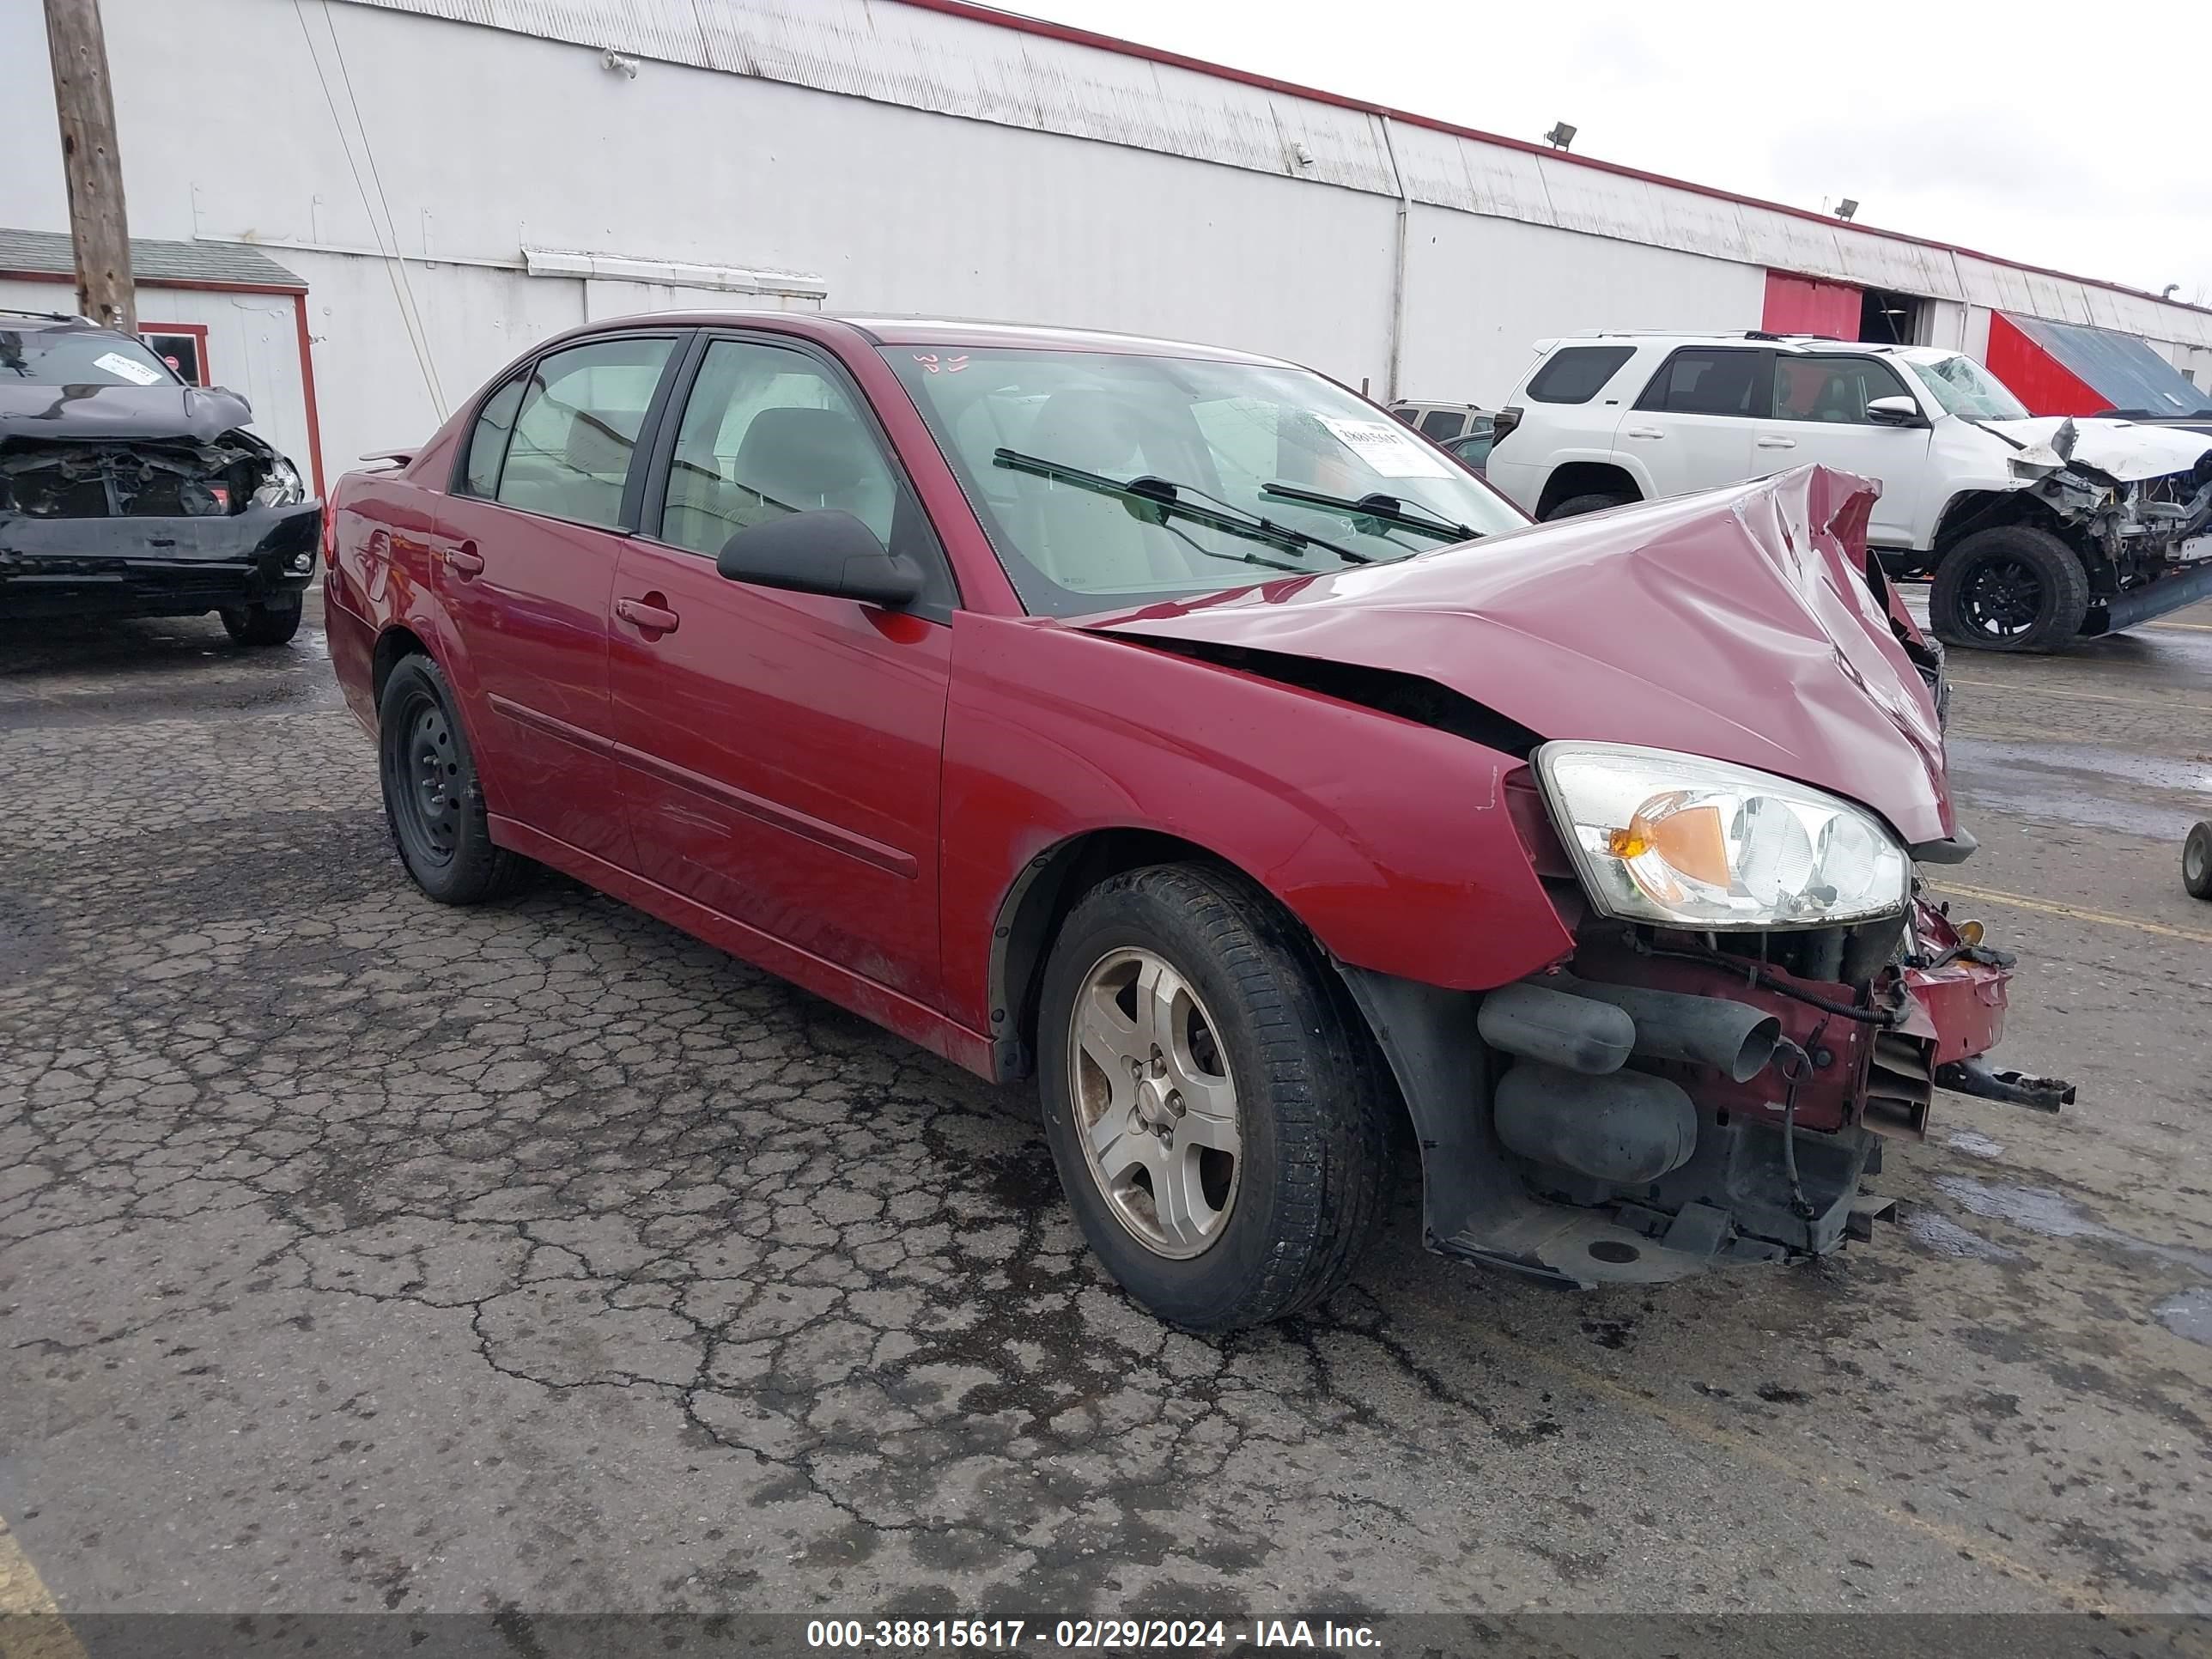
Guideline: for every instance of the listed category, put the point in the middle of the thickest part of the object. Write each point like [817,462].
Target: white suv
[2038,530]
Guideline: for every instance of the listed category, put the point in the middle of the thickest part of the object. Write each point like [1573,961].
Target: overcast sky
[2077,136]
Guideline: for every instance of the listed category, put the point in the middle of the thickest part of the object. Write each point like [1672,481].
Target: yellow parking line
[2194,628]
[1990,894]
[31,1625]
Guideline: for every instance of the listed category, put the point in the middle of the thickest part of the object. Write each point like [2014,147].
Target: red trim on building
[189,284]
[2046,386]
[1806,305]
[1039,27]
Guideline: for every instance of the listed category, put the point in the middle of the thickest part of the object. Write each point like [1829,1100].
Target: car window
[1575,374]
[577,427]
[488,439]
[1697,381]
[78,356]
[768,431]
[1410,417]
[1836,389]
[1966,389]
[1474,448]
[1046,443]
[1441,423]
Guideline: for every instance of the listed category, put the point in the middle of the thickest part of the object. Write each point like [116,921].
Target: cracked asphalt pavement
[360,1254]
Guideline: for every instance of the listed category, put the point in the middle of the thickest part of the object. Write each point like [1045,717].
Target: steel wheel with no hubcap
[428,791]
[1155,1108]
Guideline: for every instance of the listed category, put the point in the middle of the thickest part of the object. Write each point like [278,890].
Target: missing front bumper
[156,567]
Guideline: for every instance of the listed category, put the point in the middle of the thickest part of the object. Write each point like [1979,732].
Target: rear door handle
[649,615]
[1644,432]
[1778,443]
[464,561]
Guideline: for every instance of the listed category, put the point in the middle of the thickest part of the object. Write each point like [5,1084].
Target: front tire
[1215,1111]
[2012,587]
[271,623]
[2197,861]
[433,798]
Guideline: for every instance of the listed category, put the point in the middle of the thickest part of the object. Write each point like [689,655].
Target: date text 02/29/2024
[928,1635]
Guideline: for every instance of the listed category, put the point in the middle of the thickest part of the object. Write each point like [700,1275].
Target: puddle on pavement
[2189,1314]
[2041,1211]
[2082,783]
[1975,1144]
[1947,1237]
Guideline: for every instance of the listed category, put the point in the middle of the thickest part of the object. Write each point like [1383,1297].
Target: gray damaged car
[125,492]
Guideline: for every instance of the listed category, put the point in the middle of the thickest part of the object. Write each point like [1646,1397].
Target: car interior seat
[797,460]
[1080,539]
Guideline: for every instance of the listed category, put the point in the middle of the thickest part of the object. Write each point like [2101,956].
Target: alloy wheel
[2002,597]
[1156,1106]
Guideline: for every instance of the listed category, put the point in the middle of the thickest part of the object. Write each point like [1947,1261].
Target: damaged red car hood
[1736,623]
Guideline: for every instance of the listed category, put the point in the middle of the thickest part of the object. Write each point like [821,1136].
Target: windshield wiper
[1165,499]
[1409,515]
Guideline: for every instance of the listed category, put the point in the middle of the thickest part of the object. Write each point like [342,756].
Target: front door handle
[1644,432]
[649,615]
[1778,443]
[464,561]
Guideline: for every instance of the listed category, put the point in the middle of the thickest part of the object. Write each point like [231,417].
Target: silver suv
[2038,530]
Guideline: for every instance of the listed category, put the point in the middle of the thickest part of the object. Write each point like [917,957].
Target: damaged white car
[2038,531]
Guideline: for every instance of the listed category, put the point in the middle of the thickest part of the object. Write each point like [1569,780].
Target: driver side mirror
[825,551]
[1894,411]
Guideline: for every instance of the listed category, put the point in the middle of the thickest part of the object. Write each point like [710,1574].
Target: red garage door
[1800,305]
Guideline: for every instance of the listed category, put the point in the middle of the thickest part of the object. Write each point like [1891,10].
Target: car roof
[880,330]
[1758,339]
[51,322]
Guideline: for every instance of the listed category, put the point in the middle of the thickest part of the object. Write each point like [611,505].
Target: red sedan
[1175,726]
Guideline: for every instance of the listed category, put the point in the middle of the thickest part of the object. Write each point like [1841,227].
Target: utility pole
[99,233]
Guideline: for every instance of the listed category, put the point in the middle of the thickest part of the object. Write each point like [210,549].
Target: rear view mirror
[825,551]
[1894,411]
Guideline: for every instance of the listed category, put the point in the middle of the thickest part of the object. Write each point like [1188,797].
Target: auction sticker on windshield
[1388,447]
[123,369]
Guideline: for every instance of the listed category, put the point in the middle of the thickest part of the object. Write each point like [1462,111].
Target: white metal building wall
[1482,291]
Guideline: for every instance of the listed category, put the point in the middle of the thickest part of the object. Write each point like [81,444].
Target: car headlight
[283,486]
[1689,843]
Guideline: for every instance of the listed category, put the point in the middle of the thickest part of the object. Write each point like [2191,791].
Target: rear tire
[271,623]
[2197,861]
[1596,500]
[433,798]
[1248,1192]
[2012,587]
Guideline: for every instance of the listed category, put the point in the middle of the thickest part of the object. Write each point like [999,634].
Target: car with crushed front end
[2038,531]
[1173,726]
[126,492]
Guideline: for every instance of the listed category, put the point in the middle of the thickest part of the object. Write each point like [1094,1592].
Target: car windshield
[1245,471]
[1964,388]
[55,357]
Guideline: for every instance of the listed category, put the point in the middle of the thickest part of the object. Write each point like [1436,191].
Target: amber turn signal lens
[1692,842]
